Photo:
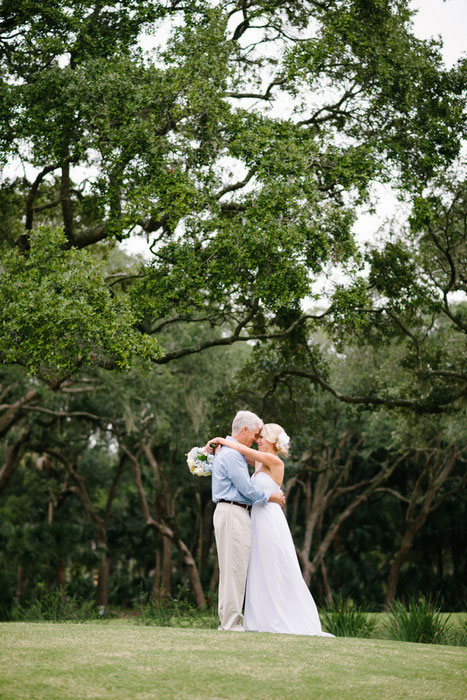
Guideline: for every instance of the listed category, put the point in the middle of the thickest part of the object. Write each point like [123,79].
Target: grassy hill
[117,660]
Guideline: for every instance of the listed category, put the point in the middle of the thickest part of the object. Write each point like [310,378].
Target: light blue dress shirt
[231,480]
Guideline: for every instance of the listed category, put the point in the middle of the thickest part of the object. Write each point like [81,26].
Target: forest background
[257,294]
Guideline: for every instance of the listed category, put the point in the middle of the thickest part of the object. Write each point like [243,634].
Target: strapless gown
[277,598]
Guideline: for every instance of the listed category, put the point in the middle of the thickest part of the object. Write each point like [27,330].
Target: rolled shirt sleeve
[242,481]
[231,480]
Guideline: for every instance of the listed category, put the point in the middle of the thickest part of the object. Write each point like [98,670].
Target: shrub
[53,606]
[155,611]
[162,610]
[458,634]
[174,612]
[344,619]
[421,622]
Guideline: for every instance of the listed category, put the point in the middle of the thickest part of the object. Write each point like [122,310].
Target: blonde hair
[272,432]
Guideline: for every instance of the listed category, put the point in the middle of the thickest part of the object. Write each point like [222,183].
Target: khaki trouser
[232,528]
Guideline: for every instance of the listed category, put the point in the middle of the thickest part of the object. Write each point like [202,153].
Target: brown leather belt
[235,503]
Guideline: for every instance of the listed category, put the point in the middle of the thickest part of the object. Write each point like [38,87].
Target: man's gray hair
[245,419]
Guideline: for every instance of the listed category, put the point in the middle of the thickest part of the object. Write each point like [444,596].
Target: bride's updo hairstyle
[277,436]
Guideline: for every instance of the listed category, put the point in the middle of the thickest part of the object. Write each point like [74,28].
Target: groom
[234,492]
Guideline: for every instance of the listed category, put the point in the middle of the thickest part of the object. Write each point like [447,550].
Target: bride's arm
[252,456]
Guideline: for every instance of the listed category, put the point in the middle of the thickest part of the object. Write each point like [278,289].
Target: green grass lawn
[118,660]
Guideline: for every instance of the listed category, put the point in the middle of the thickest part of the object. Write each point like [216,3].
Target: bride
[277,598]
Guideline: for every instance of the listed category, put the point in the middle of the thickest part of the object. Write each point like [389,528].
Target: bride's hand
[209,449]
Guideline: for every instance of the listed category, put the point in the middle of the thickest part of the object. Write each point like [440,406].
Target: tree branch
[14,410]
[257,95]
[65,199]
[12,457]
[50,205]
[32,195]
[236,186]
[22,241]
[113,488]
[85,238]
[396,494]
[419,406]
[233,338]
[358,500]
[66,414]
[332,110]
[80,490]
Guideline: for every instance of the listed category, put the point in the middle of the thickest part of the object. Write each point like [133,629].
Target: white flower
[199,463]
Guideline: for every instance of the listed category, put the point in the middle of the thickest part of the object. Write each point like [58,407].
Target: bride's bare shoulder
[277,471]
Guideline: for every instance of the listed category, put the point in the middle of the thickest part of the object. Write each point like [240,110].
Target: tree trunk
[102,592]
[327,488]
[199,546]
[436,476]
[327,589]
[208,530]
[12,458]
[21,583]
[400,558]
[100,523]
[61,577]
[214,578]
[166,573]
[193,573]
[293,518]
[313,511]
[171,533]
[440,563]
[157,574]
[65,198]
[361,498]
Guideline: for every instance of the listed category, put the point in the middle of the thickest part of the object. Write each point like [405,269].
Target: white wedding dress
[277,598]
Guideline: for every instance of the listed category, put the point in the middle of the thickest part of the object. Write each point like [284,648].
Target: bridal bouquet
[199,462]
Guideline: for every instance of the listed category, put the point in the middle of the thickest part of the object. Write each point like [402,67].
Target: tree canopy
[240,139]
[240,146]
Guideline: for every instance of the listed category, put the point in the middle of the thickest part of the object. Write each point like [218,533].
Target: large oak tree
[239,146]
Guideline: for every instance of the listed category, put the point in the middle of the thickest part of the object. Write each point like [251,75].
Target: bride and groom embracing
[257,559]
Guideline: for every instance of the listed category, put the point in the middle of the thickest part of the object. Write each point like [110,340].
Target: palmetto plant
[421,621]
[344,619]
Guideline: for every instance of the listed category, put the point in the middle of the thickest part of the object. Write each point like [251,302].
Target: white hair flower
[283,440]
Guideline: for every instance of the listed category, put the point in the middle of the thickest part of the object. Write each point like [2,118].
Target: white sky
[435,18]
[447,19]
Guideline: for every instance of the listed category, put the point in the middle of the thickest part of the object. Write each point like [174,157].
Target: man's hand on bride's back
[277,497]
